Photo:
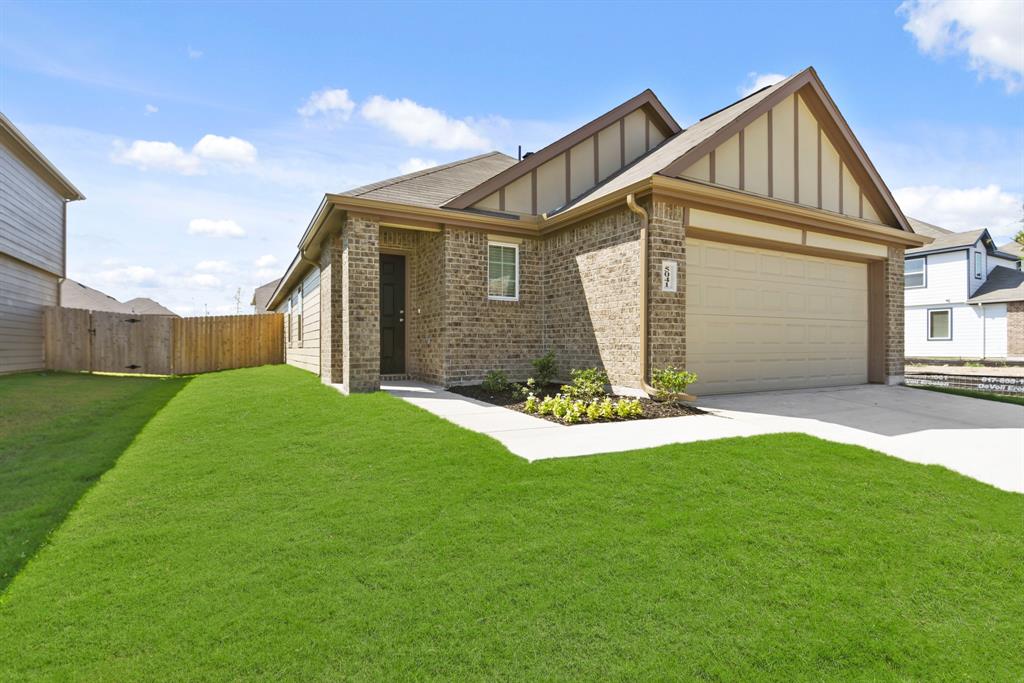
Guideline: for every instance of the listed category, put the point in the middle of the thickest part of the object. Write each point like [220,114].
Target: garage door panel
[793,321]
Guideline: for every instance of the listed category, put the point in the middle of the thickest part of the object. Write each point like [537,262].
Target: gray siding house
[33,231]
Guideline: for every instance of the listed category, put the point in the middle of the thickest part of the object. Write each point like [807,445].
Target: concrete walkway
[981,439]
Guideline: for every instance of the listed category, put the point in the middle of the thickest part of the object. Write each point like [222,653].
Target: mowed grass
[264,526]
[58,434]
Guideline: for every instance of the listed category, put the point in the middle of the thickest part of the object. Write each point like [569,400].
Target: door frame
[407,256]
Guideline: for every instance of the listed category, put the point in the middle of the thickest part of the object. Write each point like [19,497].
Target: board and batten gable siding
[575,171]
[304,354]
[24,291]
[786,154]
[945,277]
[31,216]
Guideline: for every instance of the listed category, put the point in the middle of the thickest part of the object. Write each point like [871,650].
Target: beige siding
[304,353]
[582,171]
[519,195]
[755,156]
[609,153]
[31,216]
[783,151]
[851,194]
[491,202]
[636,135]
[807,133]
[700,170]
[727,162]
[869,212]
[551,185]
[830,175]
[24,291]
[657,137]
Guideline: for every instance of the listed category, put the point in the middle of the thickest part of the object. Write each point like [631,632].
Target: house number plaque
[669,276]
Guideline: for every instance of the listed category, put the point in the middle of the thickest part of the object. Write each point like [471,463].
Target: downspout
[644,287]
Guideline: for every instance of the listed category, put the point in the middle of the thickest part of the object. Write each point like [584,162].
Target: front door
[392,314]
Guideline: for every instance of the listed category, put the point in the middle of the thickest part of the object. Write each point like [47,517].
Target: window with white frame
[914,273]
[289,321]
[502,271]
[978,266]
[299,303]
[940,324]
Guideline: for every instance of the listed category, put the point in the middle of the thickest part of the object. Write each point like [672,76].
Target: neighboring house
[76,295]
[964,297]
[759,248]
[1014,248]
[261,296]
[33,238]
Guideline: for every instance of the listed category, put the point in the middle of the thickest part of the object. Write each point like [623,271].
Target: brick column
[331,361]
[360,293]
[666,311]
[894,308]
[1015,330]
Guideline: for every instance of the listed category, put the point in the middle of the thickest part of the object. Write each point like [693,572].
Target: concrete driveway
[981,439]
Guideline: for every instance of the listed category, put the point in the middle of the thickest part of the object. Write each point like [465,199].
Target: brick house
[759,248]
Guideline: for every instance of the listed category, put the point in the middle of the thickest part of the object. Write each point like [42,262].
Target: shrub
[532,404]
[496,381]
[587,384]
[628,409]
[670,383]
[545,369]
[570,411]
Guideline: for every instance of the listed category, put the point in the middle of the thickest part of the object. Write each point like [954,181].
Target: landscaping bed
[514,401]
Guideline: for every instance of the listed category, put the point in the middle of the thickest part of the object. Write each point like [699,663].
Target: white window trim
[928,323]
[495,243]
[924,273]
[979,265]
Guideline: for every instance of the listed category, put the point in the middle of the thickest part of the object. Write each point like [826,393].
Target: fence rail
[101,341]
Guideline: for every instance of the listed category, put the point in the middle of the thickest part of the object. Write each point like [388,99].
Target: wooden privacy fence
[101,341]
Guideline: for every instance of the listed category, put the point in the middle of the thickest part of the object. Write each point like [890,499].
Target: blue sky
[204,136]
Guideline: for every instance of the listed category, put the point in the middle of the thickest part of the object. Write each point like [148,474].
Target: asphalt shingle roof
[436,186]
[146,306]
[927,229]
[261,295]
[76,295]
[1002,284]
[950,240]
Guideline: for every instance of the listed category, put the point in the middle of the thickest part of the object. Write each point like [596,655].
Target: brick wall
[1015,329]
[592,296]
[480,334]
[894,307]
[361,304]
[666,311]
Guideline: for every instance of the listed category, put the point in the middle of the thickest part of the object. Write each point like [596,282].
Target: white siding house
[959,294]
[33,199]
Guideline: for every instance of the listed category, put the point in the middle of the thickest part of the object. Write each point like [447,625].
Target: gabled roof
[76,295]
[433,187]
[645,100]
[13,138]
[1014,249]
[146,306]
[261,295]
[951,240]
[927,229]
[1002,284]
[678,153]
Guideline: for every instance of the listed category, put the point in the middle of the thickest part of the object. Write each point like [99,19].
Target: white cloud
[202,280]
[266,260]
[990,32]
[333,102]
[193,53]
[151,109]
[415,164]
[423,126]
[755,81]
[232,150]
[215,228]
[213,266]
[150,154]
[138,276]
[267,274]
[964,208]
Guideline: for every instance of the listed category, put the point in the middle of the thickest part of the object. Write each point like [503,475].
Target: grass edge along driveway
[262,525]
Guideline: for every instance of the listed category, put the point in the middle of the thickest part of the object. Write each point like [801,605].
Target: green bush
[570,411]
[496,381]
[545,369]
[670,383]
[587,384]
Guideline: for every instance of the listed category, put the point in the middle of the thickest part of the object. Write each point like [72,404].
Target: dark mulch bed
[508,399]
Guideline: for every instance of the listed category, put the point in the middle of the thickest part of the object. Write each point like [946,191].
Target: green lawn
[264,526]
[971,393]
[58,434]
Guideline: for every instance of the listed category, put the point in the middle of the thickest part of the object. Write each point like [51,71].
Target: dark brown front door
[392,314]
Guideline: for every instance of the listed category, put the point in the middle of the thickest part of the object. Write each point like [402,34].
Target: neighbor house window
[299,303]
[940,324]
[502,271]
[913,273]
[289,321]
[977,264]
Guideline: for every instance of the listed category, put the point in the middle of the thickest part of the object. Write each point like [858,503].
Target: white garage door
[759,320]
